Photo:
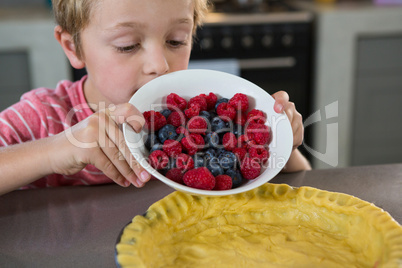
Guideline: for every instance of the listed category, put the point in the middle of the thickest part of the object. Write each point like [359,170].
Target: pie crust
[274,225]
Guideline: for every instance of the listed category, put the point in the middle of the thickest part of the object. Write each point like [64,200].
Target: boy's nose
[156,62]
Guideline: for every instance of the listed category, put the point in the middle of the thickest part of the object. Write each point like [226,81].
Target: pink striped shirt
[45,112]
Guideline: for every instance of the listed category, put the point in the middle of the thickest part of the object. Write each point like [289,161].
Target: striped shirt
[44,112]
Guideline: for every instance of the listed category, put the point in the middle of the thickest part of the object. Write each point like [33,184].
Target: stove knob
[206,43]
[287,40]
[227,42]
[267,40]
[247,41]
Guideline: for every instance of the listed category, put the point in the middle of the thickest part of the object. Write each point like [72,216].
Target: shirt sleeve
[30,119]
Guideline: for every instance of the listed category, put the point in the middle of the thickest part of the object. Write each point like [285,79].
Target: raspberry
[200,178]
[242,141]
[184,162]
[193,143]
[172,148]
[182,130]
[250,169]
[255,116]
[193,110]
[174,101]
[198,125]
[240,153]
[259,154]
[175,174]
[223,182]
[211,100]
[226,112]
[229,141]
[219,101]
[176,119]
[200,101]
[259,133]
[240,119]
[239,101]
[154,120]
[158,159]
[251,144]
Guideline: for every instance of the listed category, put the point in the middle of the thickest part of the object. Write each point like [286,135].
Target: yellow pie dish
[274,225]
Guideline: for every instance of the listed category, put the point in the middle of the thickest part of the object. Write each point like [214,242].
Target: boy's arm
[97,140]
[24,163]
[296,162]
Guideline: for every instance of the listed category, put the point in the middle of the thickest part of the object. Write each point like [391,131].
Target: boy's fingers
[281,99]
[121,156]
[127,113]
[298,131]
[118,161]
[139,172]
[102,162]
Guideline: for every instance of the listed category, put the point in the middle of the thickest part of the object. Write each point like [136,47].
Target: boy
[123,44]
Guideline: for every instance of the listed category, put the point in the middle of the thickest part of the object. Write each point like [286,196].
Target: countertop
[78,226]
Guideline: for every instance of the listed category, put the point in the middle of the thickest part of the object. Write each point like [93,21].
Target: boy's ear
[66,41]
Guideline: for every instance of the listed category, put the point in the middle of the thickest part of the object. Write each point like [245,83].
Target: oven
[269,45]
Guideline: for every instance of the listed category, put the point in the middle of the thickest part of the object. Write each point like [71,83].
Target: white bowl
[190,83]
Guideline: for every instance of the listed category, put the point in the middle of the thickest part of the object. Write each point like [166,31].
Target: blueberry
[166,113]
[220,101]
[152,139]
[238,130]
[209,154]
[227,160]
[157,146]
[199,160]
[217,124]
[214,166]
[221,150]
[236,177]
[167,132]
[213,114]
[212,140]
[207,115]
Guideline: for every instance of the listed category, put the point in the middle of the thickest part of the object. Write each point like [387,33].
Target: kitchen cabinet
[357,83]
[14,77]
[376,136]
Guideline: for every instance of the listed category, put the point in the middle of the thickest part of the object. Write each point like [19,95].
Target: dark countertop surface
[78,226]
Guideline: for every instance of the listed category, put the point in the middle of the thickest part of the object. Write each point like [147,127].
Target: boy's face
[130,42]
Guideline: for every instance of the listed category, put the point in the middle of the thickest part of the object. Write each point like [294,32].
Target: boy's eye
[175,43]
[128,49]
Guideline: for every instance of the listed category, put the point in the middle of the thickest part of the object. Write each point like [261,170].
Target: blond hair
[74,15]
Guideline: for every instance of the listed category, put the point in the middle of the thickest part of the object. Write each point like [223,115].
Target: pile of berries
[207,142]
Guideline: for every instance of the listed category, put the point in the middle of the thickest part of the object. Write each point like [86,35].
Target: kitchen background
[340,61]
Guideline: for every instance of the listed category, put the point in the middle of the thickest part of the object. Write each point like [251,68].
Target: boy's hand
[99,141]
[282,104]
